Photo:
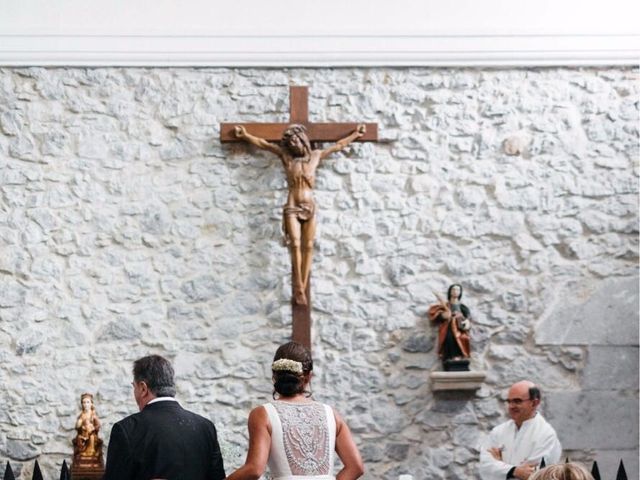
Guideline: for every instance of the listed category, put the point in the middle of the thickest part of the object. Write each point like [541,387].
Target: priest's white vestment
[532,442]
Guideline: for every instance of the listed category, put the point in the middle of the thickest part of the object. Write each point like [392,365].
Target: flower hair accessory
[287,365]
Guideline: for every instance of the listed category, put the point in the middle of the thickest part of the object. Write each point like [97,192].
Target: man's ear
[144,389]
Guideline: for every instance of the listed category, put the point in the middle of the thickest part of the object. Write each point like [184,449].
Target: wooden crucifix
[300,162]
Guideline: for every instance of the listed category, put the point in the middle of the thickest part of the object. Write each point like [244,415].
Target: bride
[296,436]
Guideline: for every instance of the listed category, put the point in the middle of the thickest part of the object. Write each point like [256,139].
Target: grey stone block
[611,368]
[11,293]
[20,450]
[418,343]
[397,451]
[593,420]
[372,452]
[203,288]
[29,341]
[605,313]
[120,330]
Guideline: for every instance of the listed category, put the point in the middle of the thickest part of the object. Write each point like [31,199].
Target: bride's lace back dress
[303,437]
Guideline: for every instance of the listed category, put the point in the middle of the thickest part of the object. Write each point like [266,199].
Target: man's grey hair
[157,373]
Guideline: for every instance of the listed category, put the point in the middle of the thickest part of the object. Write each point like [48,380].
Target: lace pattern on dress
[305,435]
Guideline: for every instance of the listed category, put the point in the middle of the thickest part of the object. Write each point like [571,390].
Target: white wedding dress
[303,438]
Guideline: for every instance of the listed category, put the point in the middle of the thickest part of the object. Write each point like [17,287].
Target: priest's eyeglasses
[516,401]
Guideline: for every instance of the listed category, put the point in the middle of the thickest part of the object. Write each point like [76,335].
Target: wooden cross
[317,132]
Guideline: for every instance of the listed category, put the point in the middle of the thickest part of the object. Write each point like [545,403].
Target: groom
[163,440]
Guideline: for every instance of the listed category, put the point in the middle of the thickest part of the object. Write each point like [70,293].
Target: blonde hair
[567,471]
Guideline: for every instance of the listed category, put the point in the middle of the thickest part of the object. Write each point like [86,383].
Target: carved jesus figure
[300,163]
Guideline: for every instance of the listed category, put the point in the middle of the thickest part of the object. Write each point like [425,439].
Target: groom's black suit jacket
[164,441]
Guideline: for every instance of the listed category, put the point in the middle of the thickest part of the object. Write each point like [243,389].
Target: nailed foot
[299,297]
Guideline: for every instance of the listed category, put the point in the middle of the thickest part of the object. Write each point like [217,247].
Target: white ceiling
[284,32]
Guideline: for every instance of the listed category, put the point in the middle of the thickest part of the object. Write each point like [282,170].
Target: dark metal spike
[595,473]
[8,473]
[622,474]
[37,474]
[64,471]
[542,463]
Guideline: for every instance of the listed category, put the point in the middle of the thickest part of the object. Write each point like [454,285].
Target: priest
[515,448]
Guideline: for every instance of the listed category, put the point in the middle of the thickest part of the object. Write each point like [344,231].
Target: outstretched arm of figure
[347,451]
[242,134]
[259,446]
[341,144]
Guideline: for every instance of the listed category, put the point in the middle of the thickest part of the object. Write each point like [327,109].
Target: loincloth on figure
[302,212]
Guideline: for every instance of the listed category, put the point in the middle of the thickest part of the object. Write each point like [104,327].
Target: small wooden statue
[454,322]
[88,462]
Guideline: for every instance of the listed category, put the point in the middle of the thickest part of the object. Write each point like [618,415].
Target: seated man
[515,448]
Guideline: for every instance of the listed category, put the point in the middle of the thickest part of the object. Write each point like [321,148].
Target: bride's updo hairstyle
[291,367]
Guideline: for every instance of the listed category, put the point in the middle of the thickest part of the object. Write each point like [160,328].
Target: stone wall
[127,228]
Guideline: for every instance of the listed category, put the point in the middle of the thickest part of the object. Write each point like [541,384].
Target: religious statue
[87,446]
[454,322]
[298,217]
